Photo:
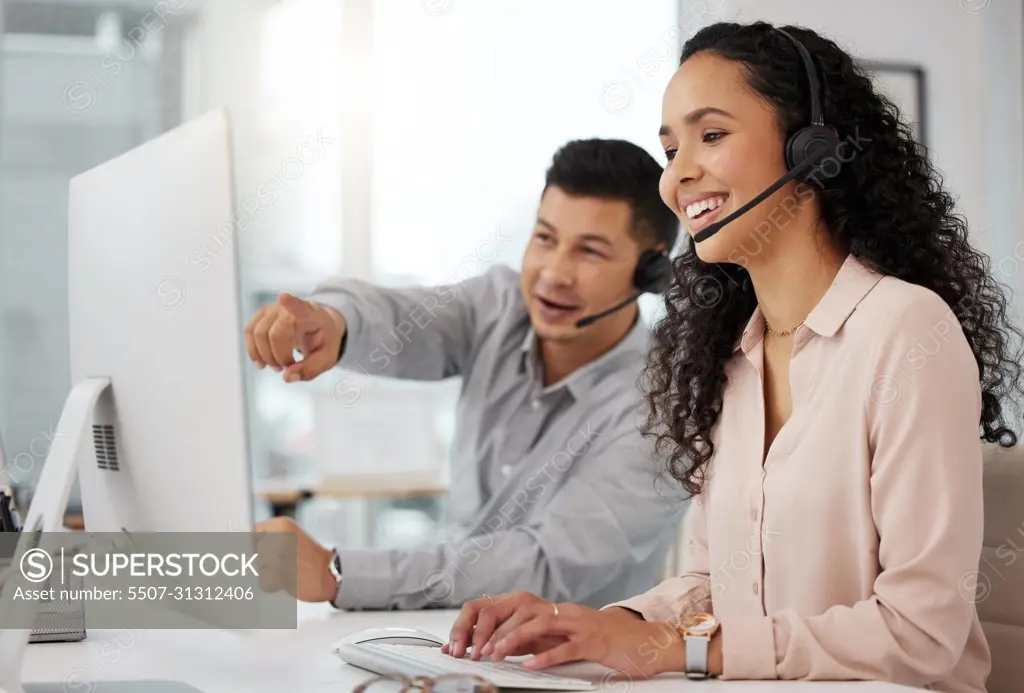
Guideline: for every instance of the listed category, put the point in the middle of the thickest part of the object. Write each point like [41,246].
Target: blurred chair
[1000,580]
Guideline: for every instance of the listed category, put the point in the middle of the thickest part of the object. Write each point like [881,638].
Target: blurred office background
[407,142]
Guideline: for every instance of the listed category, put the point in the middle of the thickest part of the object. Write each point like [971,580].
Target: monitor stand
[46,514]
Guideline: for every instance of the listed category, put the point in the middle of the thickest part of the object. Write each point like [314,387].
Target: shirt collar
[582,380]
[851,284]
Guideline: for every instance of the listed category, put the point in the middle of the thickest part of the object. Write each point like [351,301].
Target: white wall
[488,92]
[975,77]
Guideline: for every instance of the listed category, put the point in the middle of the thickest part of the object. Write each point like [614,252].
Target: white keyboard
[416,660]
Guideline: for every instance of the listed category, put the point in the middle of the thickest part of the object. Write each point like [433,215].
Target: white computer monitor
[155,423]
[154,308]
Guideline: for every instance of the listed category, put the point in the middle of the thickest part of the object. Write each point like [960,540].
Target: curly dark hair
[617,170]
[886,207]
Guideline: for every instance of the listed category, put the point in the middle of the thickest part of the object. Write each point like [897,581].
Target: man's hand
[314,581]
[291,324]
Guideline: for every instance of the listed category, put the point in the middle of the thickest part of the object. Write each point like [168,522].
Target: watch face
[700,623]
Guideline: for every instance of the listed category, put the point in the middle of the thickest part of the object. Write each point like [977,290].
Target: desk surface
[301,661]
[291,489]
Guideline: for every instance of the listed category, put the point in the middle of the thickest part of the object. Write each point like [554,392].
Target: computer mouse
[392,635]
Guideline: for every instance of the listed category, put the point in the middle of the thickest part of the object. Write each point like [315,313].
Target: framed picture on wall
[904,85]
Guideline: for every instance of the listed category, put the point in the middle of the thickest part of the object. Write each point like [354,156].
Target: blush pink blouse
[851,552]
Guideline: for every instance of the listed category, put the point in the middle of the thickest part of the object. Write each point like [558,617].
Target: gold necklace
[784,333]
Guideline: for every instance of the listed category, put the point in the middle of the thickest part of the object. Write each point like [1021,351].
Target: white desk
[301,661]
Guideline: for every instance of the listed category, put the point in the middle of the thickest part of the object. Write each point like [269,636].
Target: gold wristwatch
[697,631]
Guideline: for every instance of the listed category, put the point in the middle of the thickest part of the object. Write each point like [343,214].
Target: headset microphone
[652,274]
[712,229]
[590,319]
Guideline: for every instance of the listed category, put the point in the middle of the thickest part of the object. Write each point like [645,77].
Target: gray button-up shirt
[554,490]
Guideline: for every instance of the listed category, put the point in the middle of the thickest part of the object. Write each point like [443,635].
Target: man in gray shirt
[553,486]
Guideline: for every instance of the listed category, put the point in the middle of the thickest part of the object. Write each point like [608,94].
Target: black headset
[653,274]
[654,270]
[806,147]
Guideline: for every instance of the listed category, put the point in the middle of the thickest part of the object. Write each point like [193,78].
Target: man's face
[579,260]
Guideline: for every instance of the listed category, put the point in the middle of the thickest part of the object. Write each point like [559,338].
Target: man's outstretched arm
[416,332]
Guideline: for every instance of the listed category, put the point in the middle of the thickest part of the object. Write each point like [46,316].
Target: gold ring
[556,608]
[488,598]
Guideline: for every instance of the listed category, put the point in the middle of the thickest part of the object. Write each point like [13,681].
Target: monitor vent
[106,447]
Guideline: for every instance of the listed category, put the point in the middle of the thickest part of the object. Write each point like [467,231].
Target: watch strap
[341,347]
[697,656]
[335,567]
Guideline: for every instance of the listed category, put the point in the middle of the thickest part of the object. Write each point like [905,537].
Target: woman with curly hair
[826,367]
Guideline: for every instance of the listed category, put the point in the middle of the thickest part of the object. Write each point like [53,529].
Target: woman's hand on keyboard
[616,638]
[522,623]
[479,618]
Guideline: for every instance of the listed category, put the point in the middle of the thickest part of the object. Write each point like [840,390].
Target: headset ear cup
[653,272]
[819,143]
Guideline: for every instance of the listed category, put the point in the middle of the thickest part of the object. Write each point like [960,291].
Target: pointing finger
[299,309]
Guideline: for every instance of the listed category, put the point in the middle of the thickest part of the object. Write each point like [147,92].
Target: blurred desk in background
[284,494]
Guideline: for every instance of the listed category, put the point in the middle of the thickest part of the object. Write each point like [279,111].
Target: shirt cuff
[353,319]
[650,608]
[748,649]
[366,578]
[659,606]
